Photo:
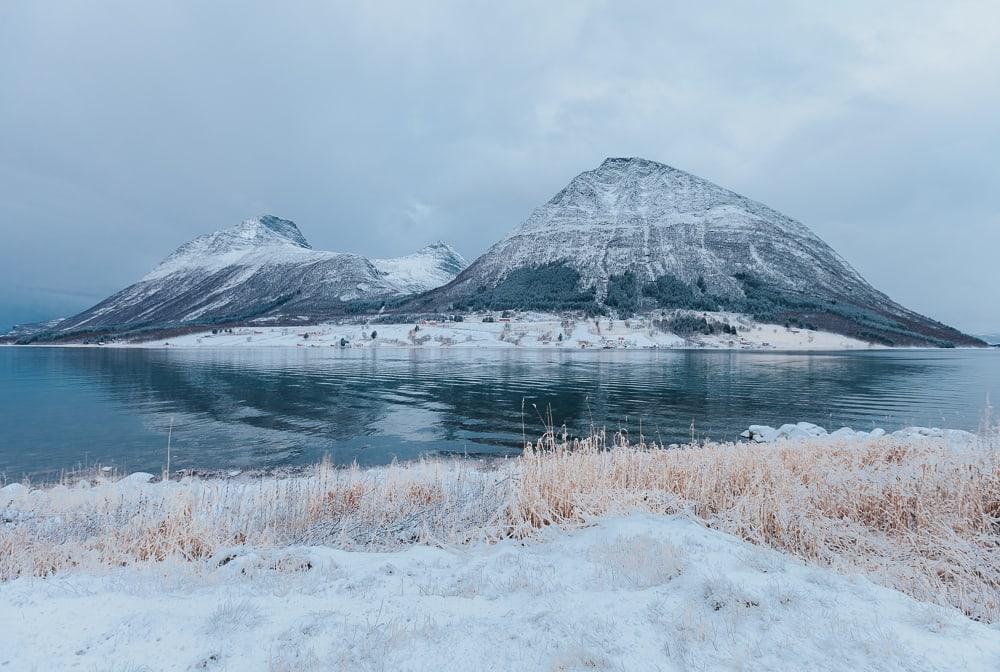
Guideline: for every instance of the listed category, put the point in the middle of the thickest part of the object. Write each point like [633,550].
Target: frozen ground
[640,592]
[532,330]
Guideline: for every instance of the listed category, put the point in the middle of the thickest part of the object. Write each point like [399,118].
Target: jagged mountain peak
[450,259]
[264,234]
[438,246]
[283,227]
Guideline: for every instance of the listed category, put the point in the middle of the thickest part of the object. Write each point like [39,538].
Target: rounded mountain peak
[633,162]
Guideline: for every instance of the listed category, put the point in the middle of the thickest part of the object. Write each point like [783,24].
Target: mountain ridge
[264,269]
[631,235]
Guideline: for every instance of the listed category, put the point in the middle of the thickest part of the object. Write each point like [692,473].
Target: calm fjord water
[63,407]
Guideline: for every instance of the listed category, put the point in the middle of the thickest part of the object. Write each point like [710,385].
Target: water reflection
[284,406]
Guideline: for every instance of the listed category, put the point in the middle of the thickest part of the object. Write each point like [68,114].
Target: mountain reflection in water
[264,407]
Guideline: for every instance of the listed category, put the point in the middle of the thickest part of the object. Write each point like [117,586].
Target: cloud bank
[127,128]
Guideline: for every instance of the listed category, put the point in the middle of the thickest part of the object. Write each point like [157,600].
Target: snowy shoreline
[527,331]
[788,554]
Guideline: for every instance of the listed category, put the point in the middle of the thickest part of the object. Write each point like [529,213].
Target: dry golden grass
[919,516]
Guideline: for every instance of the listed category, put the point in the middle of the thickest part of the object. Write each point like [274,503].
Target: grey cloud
[128,128]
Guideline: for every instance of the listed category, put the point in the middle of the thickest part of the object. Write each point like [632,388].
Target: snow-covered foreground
[534,330]
[822,552]
[641,592]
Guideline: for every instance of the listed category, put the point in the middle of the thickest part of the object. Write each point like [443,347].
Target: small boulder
[786,428]
[137,478]
[811,429]
[140,477]
[762,433]
[797,433]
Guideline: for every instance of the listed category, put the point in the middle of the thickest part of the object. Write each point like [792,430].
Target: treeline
[688,325]
[764,303]
[628,295]
[552,287]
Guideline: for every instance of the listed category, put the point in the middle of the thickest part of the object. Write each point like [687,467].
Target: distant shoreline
[147,346]
[685,331]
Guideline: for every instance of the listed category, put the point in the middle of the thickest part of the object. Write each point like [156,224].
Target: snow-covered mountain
[636,233]
[630,235]
[425,269]
[261,268]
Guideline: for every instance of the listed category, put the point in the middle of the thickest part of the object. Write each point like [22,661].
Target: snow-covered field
[640,592]
[532,330]
[803,553]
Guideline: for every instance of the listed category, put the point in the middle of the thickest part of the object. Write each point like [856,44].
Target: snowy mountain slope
[425,269]
[657,223]
[261,267]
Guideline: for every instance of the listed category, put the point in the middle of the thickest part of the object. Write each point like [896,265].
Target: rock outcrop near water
[807,430]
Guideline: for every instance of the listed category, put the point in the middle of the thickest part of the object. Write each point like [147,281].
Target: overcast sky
[127,128]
